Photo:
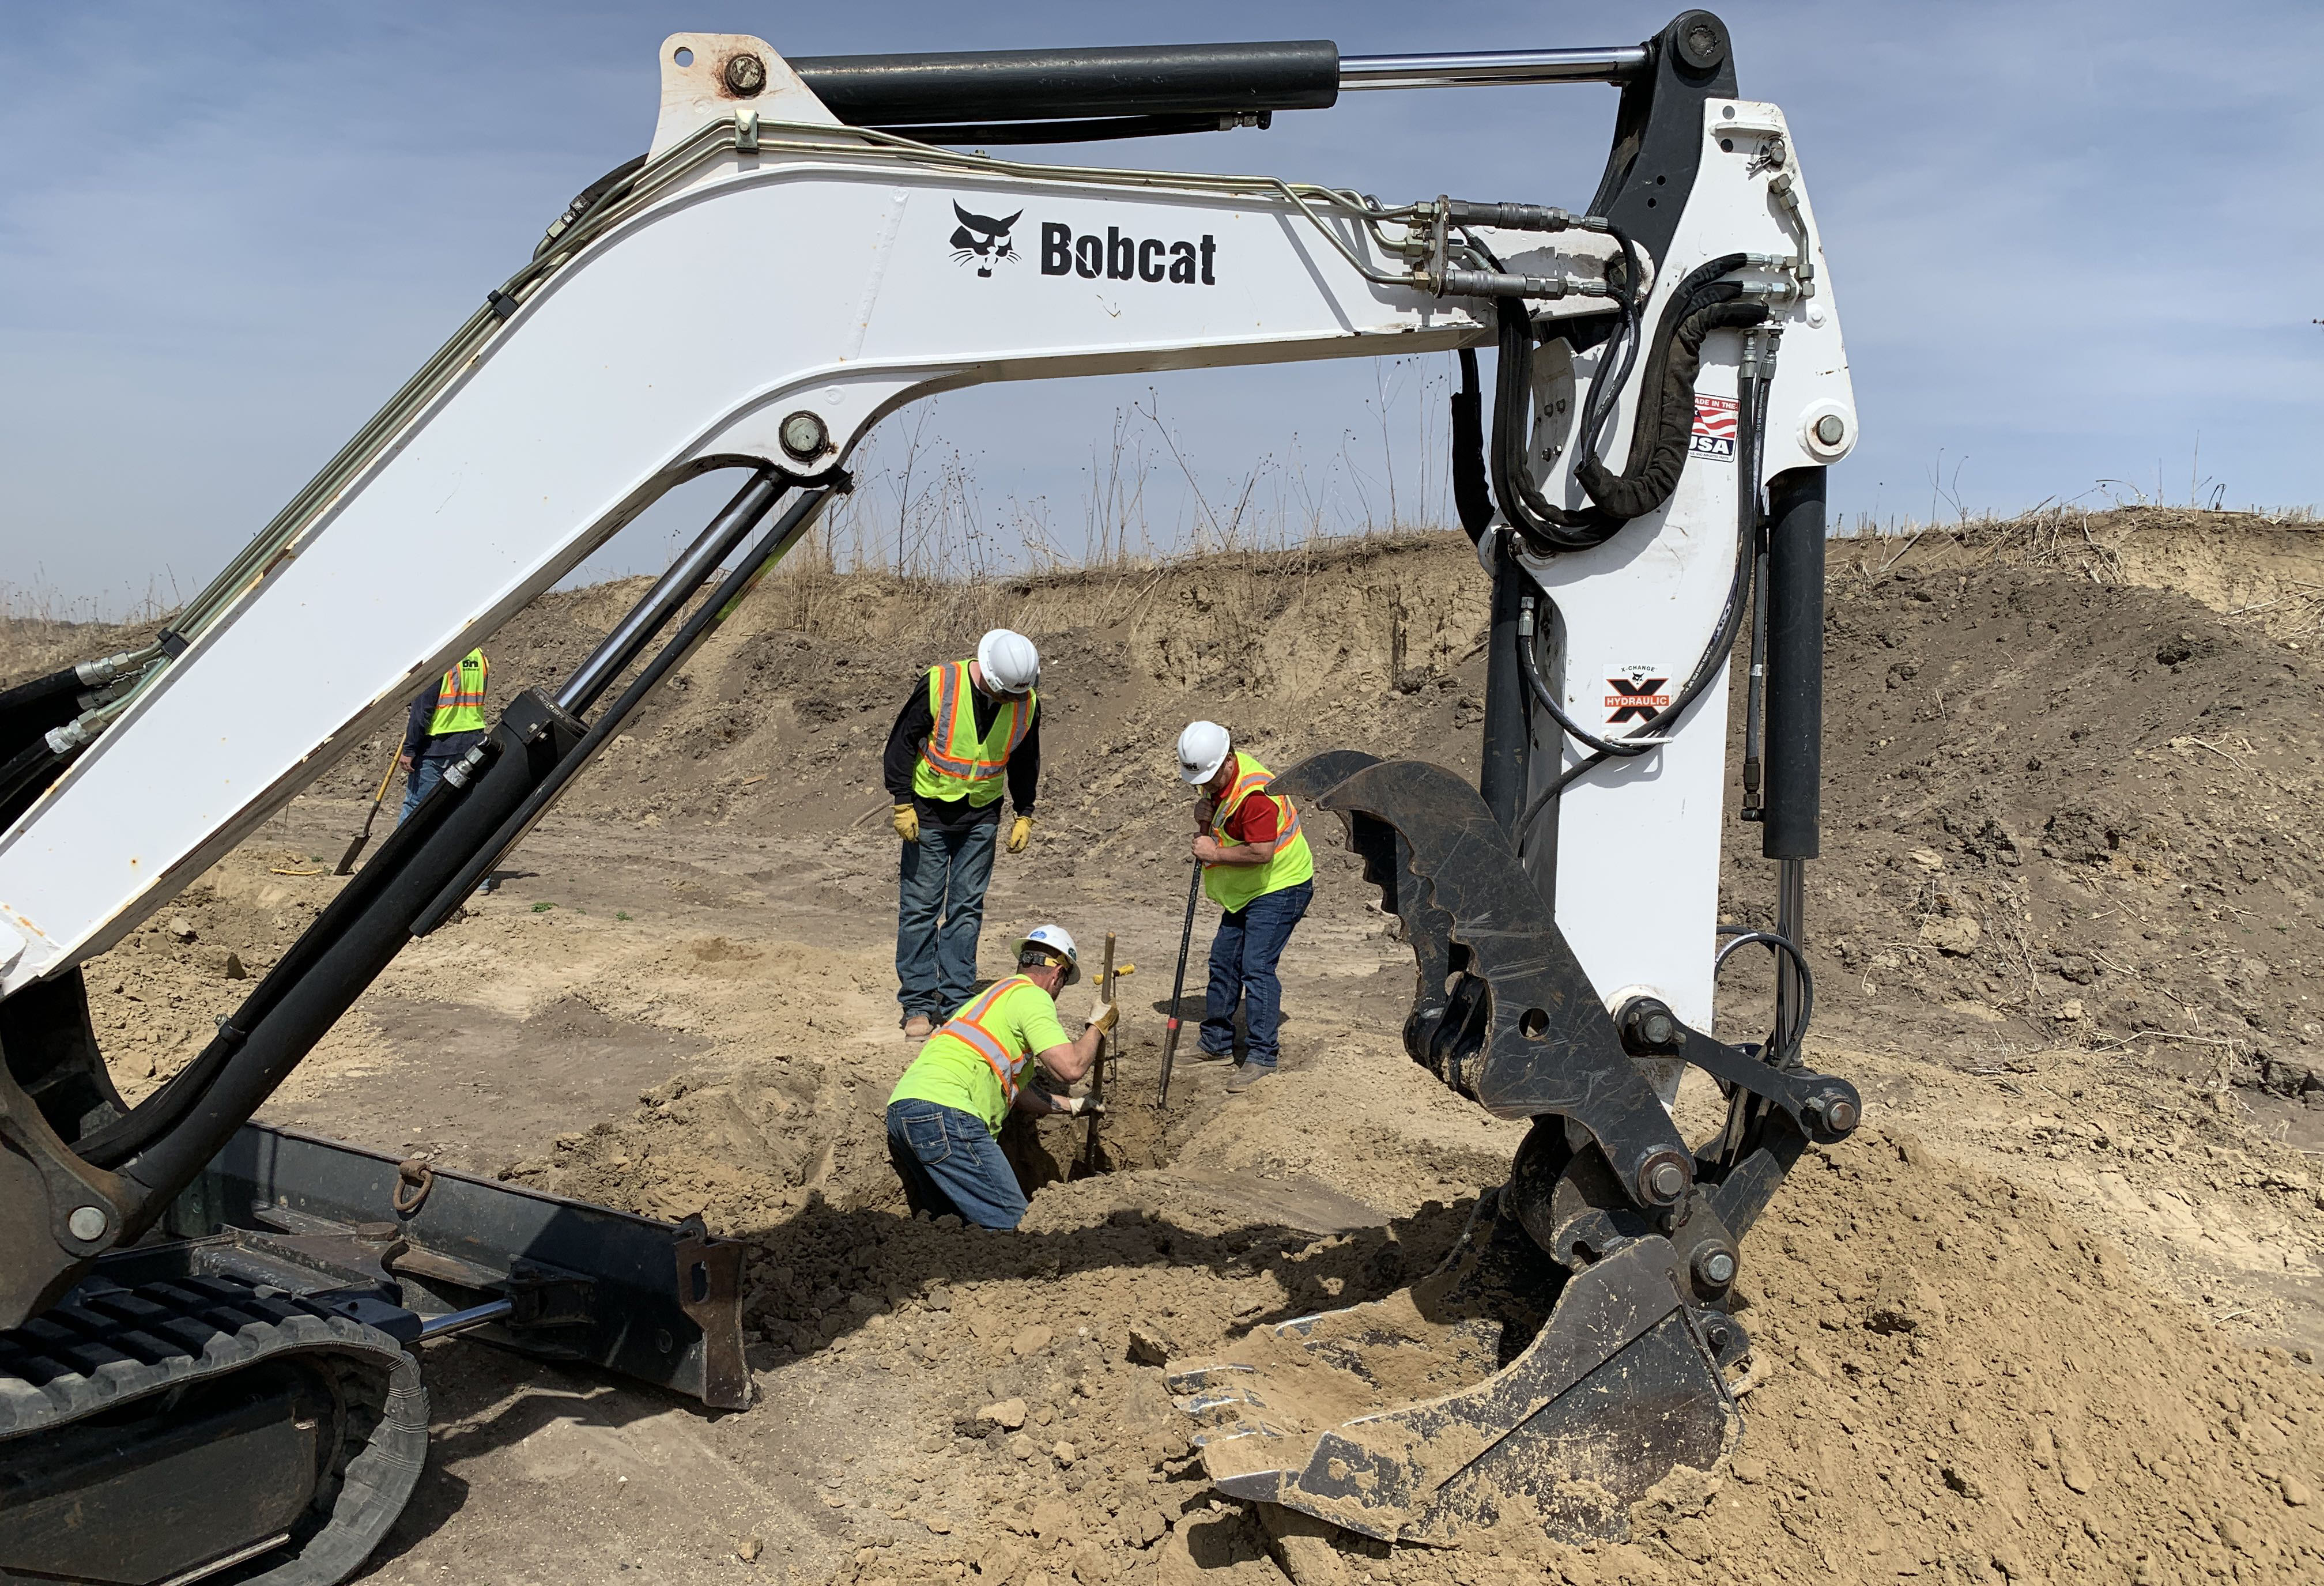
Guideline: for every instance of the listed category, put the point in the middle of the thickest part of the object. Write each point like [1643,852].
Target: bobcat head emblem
[982,239]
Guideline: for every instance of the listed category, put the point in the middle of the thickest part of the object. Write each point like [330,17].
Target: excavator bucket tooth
[1389,1420]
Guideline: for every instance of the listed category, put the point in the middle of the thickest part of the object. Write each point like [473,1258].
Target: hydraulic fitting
[1495,284]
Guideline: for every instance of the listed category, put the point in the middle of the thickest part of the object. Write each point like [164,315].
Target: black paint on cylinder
[1795,547]
[1053,85]
[1508,752]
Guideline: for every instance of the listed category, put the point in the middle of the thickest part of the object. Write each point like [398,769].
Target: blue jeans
[939,910]
[950,1163]
[425,773]
[1243,956]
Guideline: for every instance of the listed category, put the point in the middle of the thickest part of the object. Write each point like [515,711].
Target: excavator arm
[803,249]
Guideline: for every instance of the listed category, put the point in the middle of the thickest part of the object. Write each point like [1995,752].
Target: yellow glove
[1020,835]
[1103,1016]
[907,822]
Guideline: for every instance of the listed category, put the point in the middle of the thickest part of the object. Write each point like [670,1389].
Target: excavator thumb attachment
[1623,1387]
[1571,1353]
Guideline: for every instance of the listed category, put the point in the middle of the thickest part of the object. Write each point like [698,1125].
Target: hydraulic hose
[1750,397]
[1783,1047]
[1472,496]
[1623,747]
[1701,304]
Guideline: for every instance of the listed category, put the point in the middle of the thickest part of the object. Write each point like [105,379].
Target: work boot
[1204,1055]
[1247,1075]
[919,1027]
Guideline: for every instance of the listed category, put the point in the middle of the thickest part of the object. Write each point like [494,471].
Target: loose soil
[2049,1316]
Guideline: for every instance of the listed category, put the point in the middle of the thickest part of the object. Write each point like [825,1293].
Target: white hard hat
[1056,939]
[1009,661]
[1203,748]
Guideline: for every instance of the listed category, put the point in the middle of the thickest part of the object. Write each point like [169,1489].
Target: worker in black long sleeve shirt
[446,719]
[910,733]
[969,728]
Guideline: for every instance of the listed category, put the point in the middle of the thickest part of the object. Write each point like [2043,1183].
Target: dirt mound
[1950,1377]
[2065,908]
[2061,810]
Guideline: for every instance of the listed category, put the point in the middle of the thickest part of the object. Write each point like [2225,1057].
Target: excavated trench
[1136,1131]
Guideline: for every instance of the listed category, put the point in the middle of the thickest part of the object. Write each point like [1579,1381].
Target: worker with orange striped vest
[1256,867]
[944,1115]
[969,728]
[445,722]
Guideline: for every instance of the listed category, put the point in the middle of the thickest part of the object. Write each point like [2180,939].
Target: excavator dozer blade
[1618,1392]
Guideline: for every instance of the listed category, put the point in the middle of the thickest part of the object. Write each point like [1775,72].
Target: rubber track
[124,1344]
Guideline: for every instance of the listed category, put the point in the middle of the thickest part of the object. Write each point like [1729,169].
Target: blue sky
[2070,243]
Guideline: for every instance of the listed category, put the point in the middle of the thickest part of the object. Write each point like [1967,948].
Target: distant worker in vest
[1258,868]
[970,725]
[445,723]
[944,1115]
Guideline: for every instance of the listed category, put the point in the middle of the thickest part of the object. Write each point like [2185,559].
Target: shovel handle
[1178,981]
[1097,1067]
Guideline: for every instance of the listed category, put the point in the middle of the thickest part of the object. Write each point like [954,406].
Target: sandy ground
[2051,1315]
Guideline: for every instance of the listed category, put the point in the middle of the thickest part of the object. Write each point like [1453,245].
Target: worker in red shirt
[1258,868]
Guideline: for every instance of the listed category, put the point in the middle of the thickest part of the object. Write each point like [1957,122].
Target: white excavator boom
[791,279]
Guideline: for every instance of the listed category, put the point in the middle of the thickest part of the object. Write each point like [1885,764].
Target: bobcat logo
[982,239]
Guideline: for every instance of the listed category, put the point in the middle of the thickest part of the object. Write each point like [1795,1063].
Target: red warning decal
[1714,428]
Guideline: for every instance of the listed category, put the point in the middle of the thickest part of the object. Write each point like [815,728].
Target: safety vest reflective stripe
[459,708]
[1242,788]
[964,1028]
[952,683]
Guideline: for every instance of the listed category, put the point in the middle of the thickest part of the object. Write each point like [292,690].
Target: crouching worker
[945,1113]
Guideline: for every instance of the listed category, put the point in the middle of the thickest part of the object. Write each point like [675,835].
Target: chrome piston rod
[1492,69]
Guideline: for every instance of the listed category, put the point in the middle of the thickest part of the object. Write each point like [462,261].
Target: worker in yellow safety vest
[968,728]
[446,720]
[1258,868]
[944,1115]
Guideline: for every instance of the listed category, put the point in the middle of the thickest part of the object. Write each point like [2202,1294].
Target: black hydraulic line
[344,943]
[1548,701]
[22,695]
[683,579]
[30,709]
[1783,1045]
[1750,400]
[1472,496]
[1659,440]
[1547,528]
[27,777]
[531,738]
[1795,558]
[1507,755]
[1063,85]
[713,610]
[1089,129]
[158,1114]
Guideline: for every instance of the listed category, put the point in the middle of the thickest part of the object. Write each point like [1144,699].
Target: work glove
[1021,834]
[1103,1016]
[1082,1106]
[907,822]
